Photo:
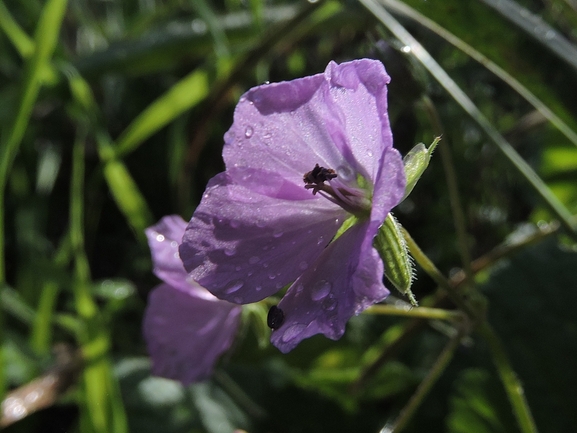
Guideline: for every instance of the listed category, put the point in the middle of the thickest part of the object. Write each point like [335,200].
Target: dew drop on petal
[237,300]
[345,172]
[320,240]
[238,268]
[233,286]
[229,252]
[174,244]
[320,290]
[278,285]
[303,265]
[292,332]
[258,288]
[160,238]
[300,288]
[260,224]
[330,303]
[253,260]
[248,131]
[277,233]
[271,276]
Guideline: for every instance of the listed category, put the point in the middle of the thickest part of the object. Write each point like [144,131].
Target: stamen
[350,199]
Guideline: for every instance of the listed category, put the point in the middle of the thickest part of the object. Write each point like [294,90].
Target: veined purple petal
[343,281]
[185,335]
[244,246]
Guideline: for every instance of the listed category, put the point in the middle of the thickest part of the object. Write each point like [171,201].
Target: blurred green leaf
[479,405]
[17,36]
[180,97]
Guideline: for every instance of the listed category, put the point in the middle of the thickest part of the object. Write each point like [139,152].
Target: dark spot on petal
[275,317]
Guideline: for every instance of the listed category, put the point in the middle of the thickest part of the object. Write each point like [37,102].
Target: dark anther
[275,317]
[318,175]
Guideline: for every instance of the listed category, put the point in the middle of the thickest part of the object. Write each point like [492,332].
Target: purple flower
[185,327]
[259,227]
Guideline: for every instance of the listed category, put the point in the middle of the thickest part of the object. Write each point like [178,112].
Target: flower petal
[185,334]
[244,246]
[163,240]
[337,119]
[344,280]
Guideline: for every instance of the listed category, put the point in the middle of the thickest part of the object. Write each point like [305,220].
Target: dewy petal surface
[257,229]
[244,246]
[163,240]
[185,334]
[186,328]
[343,281]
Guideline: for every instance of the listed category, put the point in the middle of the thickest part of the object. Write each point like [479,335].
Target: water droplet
[238,268]
[265,265]
[233,286]
[271,276]
[345,172]
[258,288]
[267,135]
[330,303]
[174,244]
[278,285]
[237,300]
[234,224]
[229,252]
[260,224]
[321,289]
[248,131]
[249,273]
[160,238]
[303,265]
[370,153]
[277,233]
[292,332]
[253,260]
[300,288]
[320,240]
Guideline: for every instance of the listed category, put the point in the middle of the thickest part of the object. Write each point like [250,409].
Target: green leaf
[184,95]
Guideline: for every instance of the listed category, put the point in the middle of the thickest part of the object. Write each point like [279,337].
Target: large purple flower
[259,227]
[185,327]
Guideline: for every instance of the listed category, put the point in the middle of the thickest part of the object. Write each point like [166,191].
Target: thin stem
[425,386]
[419,312]
[511,382]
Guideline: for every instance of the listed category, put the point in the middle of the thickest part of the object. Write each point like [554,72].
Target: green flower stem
[513,386]
[419,312]
[426,384]
[429,267]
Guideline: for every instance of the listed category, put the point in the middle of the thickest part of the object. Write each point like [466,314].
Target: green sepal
[416,162]
[392,248]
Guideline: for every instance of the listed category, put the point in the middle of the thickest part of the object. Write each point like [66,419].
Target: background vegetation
[112,115]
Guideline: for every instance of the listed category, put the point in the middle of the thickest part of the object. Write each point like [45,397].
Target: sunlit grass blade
[124,189]
[535,26]
[558,209]
[530,97]
[181,97]
[21,41]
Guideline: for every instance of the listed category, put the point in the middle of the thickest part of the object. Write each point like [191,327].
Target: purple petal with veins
[268,221]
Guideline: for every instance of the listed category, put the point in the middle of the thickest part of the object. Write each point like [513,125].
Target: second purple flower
[302,157]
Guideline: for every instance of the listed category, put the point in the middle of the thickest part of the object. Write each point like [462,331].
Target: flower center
[353,200]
